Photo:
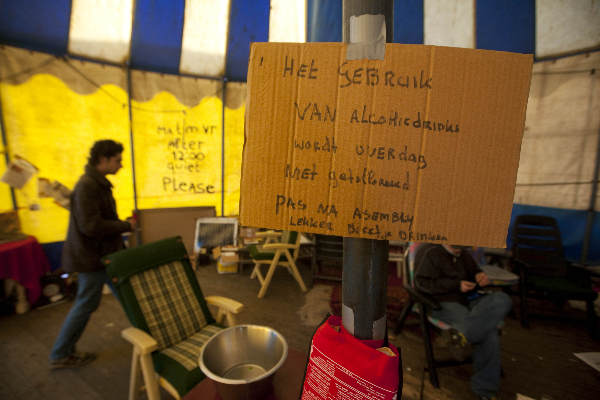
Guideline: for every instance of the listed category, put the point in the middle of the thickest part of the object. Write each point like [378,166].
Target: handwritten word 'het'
[292,68]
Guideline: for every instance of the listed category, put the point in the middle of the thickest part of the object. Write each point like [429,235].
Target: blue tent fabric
[408,21]
[248,22]
[36,24]
[157,34]
[157,28]
[324,21]
[572,225]
[506,25]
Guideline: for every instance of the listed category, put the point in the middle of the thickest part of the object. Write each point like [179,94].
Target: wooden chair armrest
[141,340]
[267,234]
[225,303]
[278,246]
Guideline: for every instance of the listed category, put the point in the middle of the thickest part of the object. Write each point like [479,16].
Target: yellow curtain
[235,108]
[54,110]
[5,198]
[177,135]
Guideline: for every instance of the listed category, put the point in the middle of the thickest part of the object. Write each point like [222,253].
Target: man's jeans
[479,323]
[89,293]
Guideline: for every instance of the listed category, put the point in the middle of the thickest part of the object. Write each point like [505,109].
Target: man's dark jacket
[439,273]
[94,226]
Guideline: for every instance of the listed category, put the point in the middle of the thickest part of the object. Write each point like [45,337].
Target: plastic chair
[171,321]
[538,257]
[279,248]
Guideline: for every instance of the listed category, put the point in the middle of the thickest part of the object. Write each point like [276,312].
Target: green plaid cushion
[168,303]
[187,351]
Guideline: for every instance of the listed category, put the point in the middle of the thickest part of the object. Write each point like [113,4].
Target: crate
[227,262]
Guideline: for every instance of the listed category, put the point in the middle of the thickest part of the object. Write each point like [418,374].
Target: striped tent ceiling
[211,38]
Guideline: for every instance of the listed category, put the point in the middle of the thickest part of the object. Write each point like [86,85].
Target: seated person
[453,278]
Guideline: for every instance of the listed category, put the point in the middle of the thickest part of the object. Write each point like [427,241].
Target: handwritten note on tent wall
[422,146]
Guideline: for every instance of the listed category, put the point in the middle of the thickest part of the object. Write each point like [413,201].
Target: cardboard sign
[421,146]
[18,172]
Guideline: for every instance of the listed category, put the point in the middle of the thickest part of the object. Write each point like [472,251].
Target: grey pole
[6,157]
[364,278]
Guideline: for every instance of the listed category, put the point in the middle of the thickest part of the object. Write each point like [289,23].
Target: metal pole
[137,234]
[364,278]
[592,208]
[6,158]
[223,98]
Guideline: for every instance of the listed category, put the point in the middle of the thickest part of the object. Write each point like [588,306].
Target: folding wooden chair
[279,249]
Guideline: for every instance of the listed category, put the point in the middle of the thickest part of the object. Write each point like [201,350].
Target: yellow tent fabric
[235,107]
[177,138]
[5,198]
[54,109]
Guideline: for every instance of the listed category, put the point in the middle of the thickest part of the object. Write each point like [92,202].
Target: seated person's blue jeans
[479,323]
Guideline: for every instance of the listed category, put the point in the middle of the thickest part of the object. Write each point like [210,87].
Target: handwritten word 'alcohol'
[393,119]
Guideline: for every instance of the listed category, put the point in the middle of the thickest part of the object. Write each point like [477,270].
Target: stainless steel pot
[242,360]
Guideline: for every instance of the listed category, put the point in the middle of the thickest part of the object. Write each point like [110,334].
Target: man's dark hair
[104,148]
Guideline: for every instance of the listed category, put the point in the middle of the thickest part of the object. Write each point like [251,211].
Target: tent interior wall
[167,79]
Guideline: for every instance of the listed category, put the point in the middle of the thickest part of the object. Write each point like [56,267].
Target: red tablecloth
[25,262]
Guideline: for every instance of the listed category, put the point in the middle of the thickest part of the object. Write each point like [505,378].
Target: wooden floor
[538,362]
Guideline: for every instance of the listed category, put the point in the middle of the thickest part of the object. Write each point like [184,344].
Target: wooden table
[287,381]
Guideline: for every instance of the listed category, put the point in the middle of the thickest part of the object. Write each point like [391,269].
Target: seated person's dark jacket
[439,273]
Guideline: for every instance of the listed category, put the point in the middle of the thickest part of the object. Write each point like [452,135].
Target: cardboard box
[421,146]
[225,267]
[229,258]
[9,223]
[59,192]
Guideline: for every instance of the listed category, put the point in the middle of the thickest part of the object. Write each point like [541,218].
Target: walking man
[94,231]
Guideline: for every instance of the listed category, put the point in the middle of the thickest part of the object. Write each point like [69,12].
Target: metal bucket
[242,360]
